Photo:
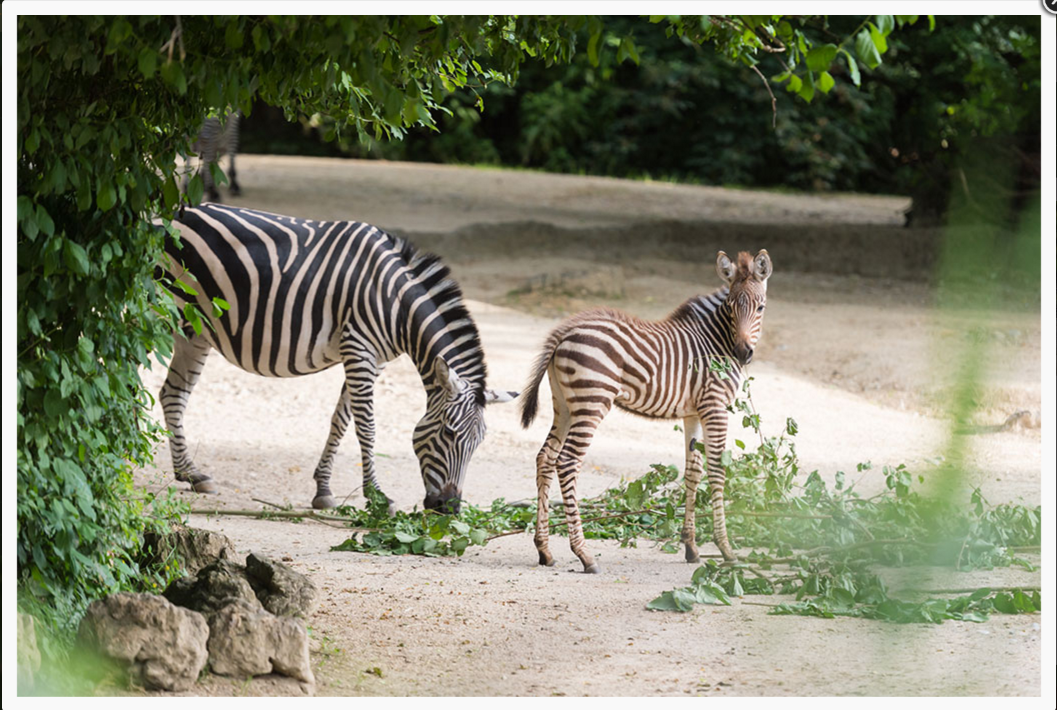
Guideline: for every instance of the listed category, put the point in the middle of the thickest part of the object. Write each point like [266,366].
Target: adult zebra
[306,295]
[219,135]
[604,358]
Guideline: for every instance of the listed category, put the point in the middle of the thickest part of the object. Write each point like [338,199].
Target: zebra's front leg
[714,420]
[185,367]
[338,424]
[356,405]
[691,478]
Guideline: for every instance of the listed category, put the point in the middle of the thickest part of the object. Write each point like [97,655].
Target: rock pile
[245,619]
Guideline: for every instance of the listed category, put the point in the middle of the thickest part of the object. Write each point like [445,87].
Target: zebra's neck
[706,316]
[436,324]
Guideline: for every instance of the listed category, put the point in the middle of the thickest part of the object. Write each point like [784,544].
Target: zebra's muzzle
[447,503]
[743,353]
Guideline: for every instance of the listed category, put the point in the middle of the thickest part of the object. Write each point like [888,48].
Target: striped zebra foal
[603,358]
[307,295]
[219,136]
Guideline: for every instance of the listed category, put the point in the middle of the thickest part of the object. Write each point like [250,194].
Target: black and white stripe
[603,358]
[305,295]
[219,136]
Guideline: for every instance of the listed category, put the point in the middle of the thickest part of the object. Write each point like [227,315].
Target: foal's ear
[725,268]
[499,396]
[761,266]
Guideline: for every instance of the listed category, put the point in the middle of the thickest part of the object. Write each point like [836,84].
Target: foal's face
[747,300]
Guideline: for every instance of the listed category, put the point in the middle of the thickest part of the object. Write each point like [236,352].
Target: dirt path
[838,355]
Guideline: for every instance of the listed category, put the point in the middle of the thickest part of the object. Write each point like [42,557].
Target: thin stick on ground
[287,514]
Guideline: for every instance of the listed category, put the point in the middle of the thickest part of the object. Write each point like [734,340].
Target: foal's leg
[714,420]
[581,431]
[692,477]
[188,360]
[545,466]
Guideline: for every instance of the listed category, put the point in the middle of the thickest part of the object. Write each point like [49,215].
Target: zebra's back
[292,285]
[653,368]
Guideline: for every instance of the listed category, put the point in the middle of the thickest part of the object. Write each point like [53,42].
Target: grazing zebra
[306,295]
[604,358]
[219,135]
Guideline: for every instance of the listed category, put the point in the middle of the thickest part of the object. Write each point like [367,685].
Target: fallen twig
[585,520]
[970,590]
[291,514]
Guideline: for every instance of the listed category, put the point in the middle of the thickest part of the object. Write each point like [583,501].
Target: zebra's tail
[530,394]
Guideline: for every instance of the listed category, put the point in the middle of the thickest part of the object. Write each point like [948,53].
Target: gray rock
[214,587]
[246,641]
[160,645]
[28,654]
[280,589]
[196,548]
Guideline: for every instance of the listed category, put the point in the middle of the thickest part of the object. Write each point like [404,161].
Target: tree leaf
[76,258]
[825,82]
[106,196]
[819,58]
[867,50]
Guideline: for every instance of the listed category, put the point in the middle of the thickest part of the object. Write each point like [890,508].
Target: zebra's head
[747,281]
[451,430]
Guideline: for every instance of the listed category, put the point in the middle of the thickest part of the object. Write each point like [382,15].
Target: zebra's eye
[759,308]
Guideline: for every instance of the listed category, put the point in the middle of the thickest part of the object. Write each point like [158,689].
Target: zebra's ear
[761,266]
[448,378]
[499,396]
[725,268]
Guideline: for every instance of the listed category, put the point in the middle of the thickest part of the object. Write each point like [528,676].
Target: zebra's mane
[699,306]
[434,276]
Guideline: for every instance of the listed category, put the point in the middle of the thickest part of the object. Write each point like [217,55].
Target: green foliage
[942,91]
[417,533]
[841,535]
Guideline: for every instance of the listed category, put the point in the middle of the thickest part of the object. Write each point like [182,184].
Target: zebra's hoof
[546,560]
[324,502]
[692,557]
[204,486]
[592,569]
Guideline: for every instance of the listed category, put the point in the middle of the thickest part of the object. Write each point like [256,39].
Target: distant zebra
[604,358]
[219,135]
[307,295]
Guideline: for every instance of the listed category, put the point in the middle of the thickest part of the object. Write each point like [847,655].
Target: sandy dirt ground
[857,359]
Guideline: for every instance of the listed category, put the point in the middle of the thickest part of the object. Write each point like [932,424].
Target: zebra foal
[603,358]
[306,295]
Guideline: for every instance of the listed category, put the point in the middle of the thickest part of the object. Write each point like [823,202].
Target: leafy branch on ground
[842,535]
[826,538]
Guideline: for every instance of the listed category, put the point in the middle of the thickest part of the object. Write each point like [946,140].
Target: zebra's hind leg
[545,467]
[691,478]
[231,133]
[233,182]
[714,420]
[188,360]
[571,458]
